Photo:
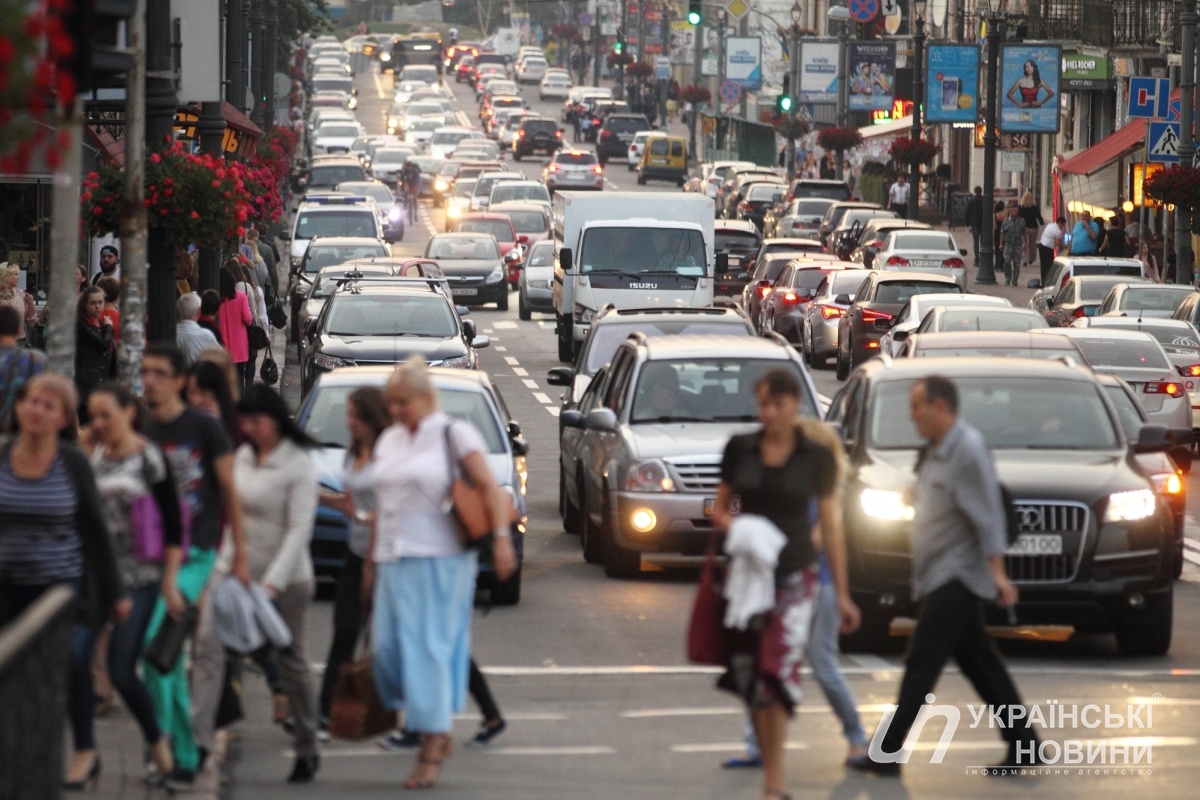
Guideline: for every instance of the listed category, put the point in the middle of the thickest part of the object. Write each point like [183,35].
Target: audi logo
[1032,518]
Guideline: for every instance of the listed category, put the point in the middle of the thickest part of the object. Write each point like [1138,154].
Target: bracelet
[503,534]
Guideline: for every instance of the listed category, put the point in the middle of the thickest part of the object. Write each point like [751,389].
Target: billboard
[743,61]
[952,83]
[872,75]
[818,71]
[1029,86]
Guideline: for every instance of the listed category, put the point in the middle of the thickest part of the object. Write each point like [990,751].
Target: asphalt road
[601,702]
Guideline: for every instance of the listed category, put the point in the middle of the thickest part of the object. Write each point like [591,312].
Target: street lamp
[794,89]
[914,190]
[841,15]
[989,10]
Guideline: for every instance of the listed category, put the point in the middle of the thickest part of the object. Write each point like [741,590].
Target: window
[528,221]
[641,250]
[736,240]
[934,243]
[463,247]
[618,379]
[1124,353]
[338,131]
[449,137]
[495,227]
[330,176]
[504,194]
[676,149]
[1127,411]
[351,222]
[356,315]
[1067,295]
[704,390]
[900,291]
[542,255]
[605,339]
[586,159]
[1095,291]
[321,256]
[659,147]
[1158,299]
[975,319]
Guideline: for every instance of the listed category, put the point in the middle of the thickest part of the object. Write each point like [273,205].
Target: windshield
[483,187]
[808,208]
[376,191]
[764,191]
[332,84]
[1159,298]
[463,188]
[340,131]
[320,256]
[809,278]
[463,247]
[427,164]
[708,390]
[930,242]
[326,418]
[357,222]
[390,157]
[970,319]
[428,75]
[736,240]
[641,250]
[354,315]
[574,158]
[450,137]
[424,124]
[833,191]
[498,228]
[526,221]
[605,339]
[846,283]
[928,350]
[898,292]
[542,255]
[1123,353]
[1065,415]
[1168,336]
[503,194]
[333,175]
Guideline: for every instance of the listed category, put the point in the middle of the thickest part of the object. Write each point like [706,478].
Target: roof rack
[356,277]
[334,199]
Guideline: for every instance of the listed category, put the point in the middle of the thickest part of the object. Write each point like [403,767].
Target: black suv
[1096,544]
[536,134]
[616,133]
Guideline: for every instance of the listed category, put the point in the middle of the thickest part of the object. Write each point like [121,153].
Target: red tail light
[953,263]
[521,134]
[596,168]
[558,134]
[1162,387]
[555,168]
[1190,372]
[869,315]
[763,291]
[791,297]
[830,312]
[1080,313]
[897,261]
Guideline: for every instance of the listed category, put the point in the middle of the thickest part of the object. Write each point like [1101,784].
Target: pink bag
[146,529]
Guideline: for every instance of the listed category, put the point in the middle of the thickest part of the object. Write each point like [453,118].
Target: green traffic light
[785,103]
[694,17]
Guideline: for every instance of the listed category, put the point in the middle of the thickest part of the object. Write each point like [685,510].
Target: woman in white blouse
[425,578]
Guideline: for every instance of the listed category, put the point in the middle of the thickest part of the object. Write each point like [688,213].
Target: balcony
[1117,24]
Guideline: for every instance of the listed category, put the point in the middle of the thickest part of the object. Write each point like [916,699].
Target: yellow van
[664,158]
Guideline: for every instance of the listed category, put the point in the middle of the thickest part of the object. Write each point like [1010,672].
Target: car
[575,170]
[388,162]
[422,73]
[992,344]
[1143,300]
[1094,549]
[325,172]
[738,241]
[615,134]
[847,236]
[532,70]
[530,220]
[1079,297]
[652,447]
[443,180]
[714,173]
[554,86]
[1063,268]
[784,308]
[355,216]
[536,135]
[418,131]
[405,90]
[321,253]
[494,104]
[316,289]
[459,200]
[370,321]
[473,264]
[826,188]
[499,128]
[734,190]
[428,166]
[766,271]
[390,209]
[500,228]
[875,305]
[333,82]
[577,96]
[757,198]
[376,143]
[482,194]
[637,146]
[332,100]
[520,191]
[875,231]
[956,318]
[464,394]
[830,302]
[322,114]
[918,306]
[1137,358]
[476,150]
[790,244]
[446,138]
[534,285]
[833,217]
[798,218]
[663,158]
[463,69]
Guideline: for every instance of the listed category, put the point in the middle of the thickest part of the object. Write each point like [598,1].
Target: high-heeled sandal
[88,781]
[435,749]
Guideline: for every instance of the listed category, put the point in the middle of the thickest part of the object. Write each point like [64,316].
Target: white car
[501,119]
[532,70]
[387,163]
[508,132]
[336,136]
[405,90]
[419,131]
[555,85]
[637,146]
[389,207]
[922,251]
[323,114]
[446,139]
[910,316]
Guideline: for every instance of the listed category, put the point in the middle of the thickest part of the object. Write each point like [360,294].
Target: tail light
[596,168]
[743,207]
[555,168]
[953,263]
[1171,389]
[558,134]
[1190,372]
[764,290]
[897,261]
[791,297]
[831,312]
[869,315]
[1080,313]
[521,134]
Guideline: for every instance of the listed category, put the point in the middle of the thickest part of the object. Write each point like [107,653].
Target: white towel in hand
[753,546]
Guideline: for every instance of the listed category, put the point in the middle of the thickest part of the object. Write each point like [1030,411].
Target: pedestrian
[233,318]
[1133,232]
[13,296]
[189,336]
[130,469]
[276,479]
[828,170]
[1102,231]
[999,214]
[201,460]
[777,471]
[185,272]
[366,419]
[268,278]
[210,307]
[53,533]
[848,174]
[1012,235]
[672,109]
[959,537]
[1172,261]
[95,351]
[1050,242]
[897,196]
[18,365]
[1149,263]
[248,286]
[110,264]
[424,580]
[112,296]
[1116,243]
[1084,236]
[975,220]
[1031,212]
[687,112]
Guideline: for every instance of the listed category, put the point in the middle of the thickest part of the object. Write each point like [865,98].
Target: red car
[500,227]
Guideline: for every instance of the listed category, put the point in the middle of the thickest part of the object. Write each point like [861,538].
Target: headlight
[394,214]
[650,475]
[331,362]
[583,314]
[884,504]
[393,122]
[353,103]
[459,362]
[453,211]
[539,284]
[1130,506]
[441,186]
[496,275]
[385,56]
[1167,483]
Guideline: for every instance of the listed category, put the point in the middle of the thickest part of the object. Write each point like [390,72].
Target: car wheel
[1148,632]
[843,366]
[591,539]
[507,593]
[1177,562]
[523,308]
[516,155]
[572,517]
[810,356]
[619,562]
[502,303]
[631,167]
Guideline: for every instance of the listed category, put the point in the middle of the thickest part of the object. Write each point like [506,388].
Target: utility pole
[794,56]
[843,99]
[64,240]
[596,50]
[269,59]
[619,91]
[235,85]
[161,103]
[914,189]
[133,227]
[257,51]
[665,28]
[1184,272]
[697,77]
[987,249]
[743,30]
[722,31]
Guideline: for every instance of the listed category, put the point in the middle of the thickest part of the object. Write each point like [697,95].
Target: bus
[416,49]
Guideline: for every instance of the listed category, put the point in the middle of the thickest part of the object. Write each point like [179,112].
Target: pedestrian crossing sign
[1162,142]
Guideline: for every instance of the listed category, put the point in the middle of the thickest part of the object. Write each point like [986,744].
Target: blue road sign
[1162,142]
[1148,97]
[730,92]
[863,10]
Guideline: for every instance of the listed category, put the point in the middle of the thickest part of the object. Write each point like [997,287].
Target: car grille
[1068,519]
[698,477]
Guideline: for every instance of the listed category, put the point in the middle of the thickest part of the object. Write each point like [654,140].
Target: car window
[332,175]
[505,194]
[907,241]
[1158,298]
[976,319]
[355,315]
[498,228]
[1047,353]
[906,314]
[1123,353]
[540,125]
[456,247]
[635,251]
[340,131]
[736,240]
[605,339]
[846,283]
[542,255]
[1066,296]
[319,256]
[659,147]
[1095,290]
[900,291]
[575,158]
[1055,274]
[618,379]
[676,149]
[526,221]
[808,208]
[1126,270]
[807,278]
[1127,411]
[704,390]
[356,222]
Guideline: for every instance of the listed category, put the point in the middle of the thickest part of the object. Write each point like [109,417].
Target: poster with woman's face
[1029,88]
[872,75]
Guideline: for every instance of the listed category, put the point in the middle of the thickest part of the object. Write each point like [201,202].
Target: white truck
[631,250]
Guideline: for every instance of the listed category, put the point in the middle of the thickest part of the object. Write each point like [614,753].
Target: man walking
[190,338]
[975,219]
[17,365]
[959,536]
[898,196]
[1012,236]
[1050,241]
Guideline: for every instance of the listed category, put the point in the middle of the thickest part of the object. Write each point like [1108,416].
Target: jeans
[1045,260]
[482,695]
[1012,264]
[348,620]
[124,650]
[247,370]
[976,233]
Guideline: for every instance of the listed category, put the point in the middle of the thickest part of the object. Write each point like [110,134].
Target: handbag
[707,637]
[277,316]
[467,505]
[356,711]
[269,371]
[257,337]
[146,526]
[167,644]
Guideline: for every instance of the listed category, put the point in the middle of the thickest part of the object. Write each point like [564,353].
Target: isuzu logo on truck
[643,285]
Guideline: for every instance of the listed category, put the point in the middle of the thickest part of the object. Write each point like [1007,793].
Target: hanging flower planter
[564,31]
[639,69]
[619,59]
[839,139]
[1178,186]
[913,151]
[32,41]
[789,128]
[696,95]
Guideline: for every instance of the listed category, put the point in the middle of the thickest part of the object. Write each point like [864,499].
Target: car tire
[843,366]
[502,302]
[619,562]
[811,357]
[507,593]
[1148,632]
[591,540]
[631,167]
[523,308]
[516,155]
[1177,562]
[572,517]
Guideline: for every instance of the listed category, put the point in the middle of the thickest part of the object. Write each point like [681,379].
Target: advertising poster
[872,75]
[743,61]
[1029,86]
[952,83]
[818,72]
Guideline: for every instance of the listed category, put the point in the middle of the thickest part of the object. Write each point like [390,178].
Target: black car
[325,251]
[474,267]
[1096,548]
[739,242]
[536,135]
[757,199]
[369,322]
[616,133]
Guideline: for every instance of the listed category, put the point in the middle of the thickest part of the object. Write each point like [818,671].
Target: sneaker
[487,733]
[398,740]
[181,780]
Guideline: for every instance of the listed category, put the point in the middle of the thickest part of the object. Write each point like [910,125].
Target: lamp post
[721,32]
[794,57]
[914,190]
[1187,82]
[841,15]
[990,10]
[697,76]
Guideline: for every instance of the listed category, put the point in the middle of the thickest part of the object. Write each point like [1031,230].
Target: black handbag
[167,645]
[269,371]
[257,337]
[277,316]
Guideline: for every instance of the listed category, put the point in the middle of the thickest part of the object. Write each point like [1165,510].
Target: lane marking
[500,349]
[725,711]
[542,398]
[734,747]
[869,662]
[504,325]
[530,384]
[512,362]
[379,86]
[550,751]
[520,372]
[554,410]
[1100,673]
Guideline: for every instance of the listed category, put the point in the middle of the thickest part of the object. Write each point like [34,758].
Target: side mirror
[1181,457]
[480,342]
[571,419]
[1034,283]
[469,328]
[523,238]
[1049,302]
[513,257]
[514,429]
[804,294]
[1151,438]
[843,300]
[962,251]
[462,310]
[560,376]
[604,420]
[310,327]
[722,262]
[565,260]
[520,447]
[900,336]
[389,236]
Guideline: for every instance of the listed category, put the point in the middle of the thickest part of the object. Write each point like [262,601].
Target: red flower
[97,210]
[195,215]
[155,158]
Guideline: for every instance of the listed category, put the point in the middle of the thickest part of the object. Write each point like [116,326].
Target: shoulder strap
[451,460]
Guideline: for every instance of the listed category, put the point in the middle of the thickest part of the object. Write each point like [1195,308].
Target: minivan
[663,158]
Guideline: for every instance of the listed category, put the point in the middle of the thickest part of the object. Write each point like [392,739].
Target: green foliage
[874,181]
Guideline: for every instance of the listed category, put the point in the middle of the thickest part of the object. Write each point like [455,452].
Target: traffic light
[98,60]
[619,44]
[784,102]
[694,12]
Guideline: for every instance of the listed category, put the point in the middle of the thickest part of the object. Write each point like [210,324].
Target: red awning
[239,122]
[111,148]
[1107,150]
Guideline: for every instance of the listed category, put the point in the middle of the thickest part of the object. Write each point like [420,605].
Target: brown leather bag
[468,504]
[356,712]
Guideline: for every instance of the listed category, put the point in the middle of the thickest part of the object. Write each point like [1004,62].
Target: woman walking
[233,318]
[1032,214]
[53,532]
[131,471]
[22,301]
[95,356]
[248,286]
[425,584]
[777,472]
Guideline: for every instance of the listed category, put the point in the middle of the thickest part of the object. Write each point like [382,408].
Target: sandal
[435,749]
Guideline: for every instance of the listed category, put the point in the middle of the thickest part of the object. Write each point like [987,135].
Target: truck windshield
[636,251]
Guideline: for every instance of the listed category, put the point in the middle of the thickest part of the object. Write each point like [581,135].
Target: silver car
[919,305]
[819,332]
[534,292]
[650,456]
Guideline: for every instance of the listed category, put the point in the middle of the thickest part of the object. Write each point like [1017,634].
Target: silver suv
[654,433]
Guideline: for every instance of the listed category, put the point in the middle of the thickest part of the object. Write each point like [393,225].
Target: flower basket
[564,31]
[696,95]
[639,69]
[32,41]
[1175,186]
[839,139]
[913,151]
[789,128]
[619,59]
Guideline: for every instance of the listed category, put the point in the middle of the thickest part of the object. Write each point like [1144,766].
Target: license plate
[575,176]
[928,264]
[1037,544]
[710,505]
[465,291]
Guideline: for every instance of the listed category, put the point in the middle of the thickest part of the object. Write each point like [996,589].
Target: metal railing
[1105,23]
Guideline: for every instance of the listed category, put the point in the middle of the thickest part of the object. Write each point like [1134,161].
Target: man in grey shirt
[959,536]
[190,338]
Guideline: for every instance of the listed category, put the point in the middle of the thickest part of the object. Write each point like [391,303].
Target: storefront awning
[1107,150]
[239,122]
[902,125]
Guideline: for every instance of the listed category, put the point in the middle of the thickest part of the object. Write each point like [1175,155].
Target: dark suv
[536,134]
[1096,545]
[616,133]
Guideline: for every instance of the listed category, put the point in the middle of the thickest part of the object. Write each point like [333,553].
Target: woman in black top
[1031,212]
[1116,242]
[776,473]
[95,351]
